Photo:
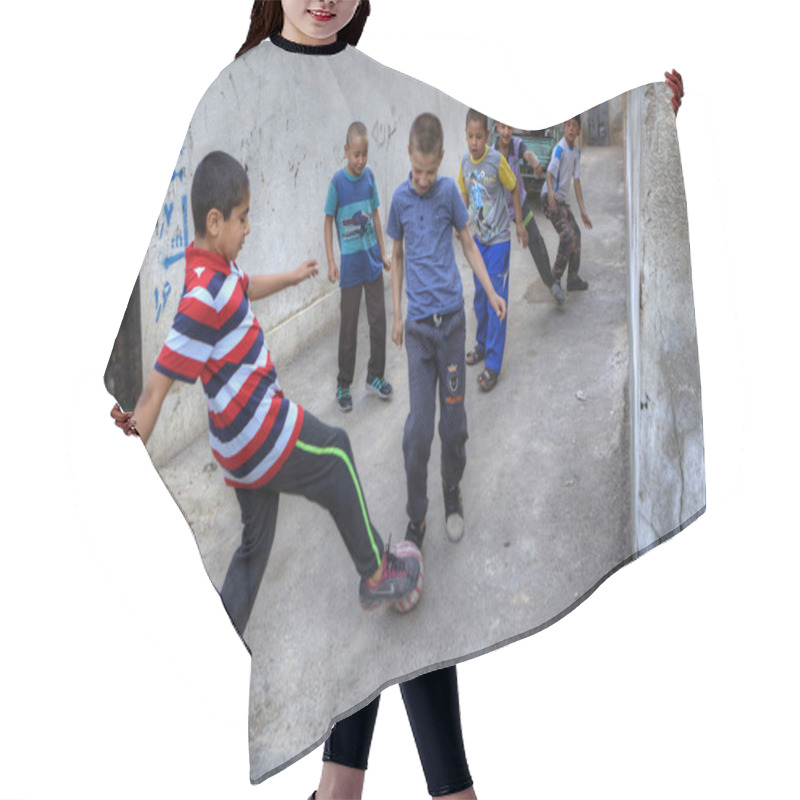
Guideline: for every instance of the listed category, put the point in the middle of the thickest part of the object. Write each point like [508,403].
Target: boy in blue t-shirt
[424,211]
[353,203]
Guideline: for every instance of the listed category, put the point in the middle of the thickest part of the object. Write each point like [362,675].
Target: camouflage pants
[569,238]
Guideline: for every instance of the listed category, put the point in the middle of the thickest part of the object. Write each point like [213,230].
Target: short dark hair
[426,136]
[576,117]
[355,129]
[476,116]
[220,182]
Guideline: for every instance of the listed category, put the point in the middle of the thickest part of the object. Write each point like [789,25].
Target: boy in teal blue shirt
[353,202]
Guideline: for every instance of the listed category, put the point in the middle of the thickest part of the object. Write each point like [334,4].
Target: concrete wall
[289,132]
[666,419]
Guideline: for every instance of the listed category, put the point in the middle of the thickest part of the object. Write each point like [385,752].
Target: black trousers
[322,469]
[350,303]
[432,706]
[537,246]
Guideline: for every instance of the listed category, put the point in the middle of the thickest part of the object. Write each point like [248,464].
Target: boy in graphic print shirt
[265,443]
[352,204]
[483,177]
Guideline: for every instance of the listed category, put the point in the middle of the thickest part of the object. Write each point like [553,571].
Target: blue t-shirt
[351,202]
[425,224]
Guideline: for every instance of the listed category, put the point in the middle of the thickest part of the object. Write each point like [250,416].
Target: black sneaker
[576,284]
[397,581]
[453,513]
[415,532]
[344,398]
[379,386]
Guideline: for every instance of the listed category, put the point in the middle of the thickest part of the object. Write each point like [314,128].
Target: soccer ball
[406,549]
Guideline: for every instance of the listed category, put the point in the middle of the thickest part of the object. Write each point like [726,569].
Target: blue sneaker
[344,398]
[379,386]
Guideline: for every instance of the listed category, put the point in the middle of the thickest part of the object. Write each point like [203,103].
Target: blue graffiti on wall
[173,233]
[162,301]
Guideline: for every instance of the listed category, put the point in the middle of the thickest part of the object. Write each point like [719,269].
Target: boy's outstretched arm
[510,183]
[579,194]
[376,222]
[530,157]
[149,403]
[333,270]
[551,192]
[522,234]
[398,269]
[265,285]
[473,256]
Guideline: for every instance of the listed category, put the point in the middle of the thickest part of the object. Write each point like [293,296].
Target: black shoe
[377,385]
[415,532]
[453,513]
[576,284]
[344,398]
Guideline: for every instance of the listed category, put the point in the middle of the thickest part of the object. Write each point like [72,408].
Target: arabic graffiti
[173,234]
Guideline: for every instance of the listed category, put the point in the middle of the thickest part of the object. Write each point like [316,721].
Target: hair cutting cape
[588,452]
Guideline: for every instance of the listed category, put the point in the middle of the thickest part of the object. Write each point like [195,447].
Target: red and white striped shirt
[216,337]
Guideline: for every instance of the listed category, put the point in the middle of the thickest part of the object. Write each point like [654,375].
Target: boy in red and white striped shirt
[265,443]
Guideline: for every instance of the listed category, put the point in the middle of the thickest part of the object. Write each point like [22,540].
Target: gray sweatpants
[435,356]
[320,467]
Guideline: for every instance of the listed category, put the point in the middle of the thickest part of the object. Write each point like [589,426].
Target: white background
[119,674]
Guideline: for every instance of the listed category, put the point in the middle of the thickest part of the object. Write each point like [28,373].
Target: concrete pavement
[546,494]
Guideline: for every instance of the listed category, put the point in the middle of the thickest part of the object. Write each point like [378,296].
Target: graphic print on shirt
[352,202]
[480,199]
[357,226]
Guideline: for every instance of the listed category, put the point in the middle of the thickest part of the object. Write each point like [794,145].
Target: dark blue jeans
[435,348]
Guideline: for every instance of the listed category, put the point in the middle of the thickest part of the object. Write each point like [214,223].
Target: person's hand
[397,331]
[387,263]
[124,420]
[538,169]
[522,234]
[675,82]
[308,269]
[586,221]
[499,306]
[333,272]
[551,201]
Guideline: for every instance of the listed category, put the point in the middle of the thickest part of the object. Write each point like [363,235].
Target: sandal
[487,380]
[474,356]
